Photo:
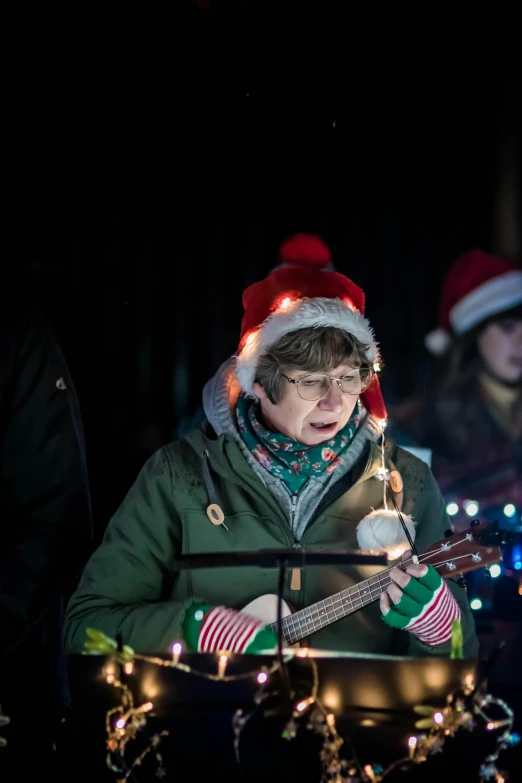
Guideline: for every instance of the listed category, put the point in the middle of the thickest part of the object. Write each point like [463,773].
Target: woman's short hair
[315,348]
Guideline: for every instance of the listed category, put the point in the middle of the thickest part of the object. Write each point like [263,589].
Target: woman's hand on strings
[400,578]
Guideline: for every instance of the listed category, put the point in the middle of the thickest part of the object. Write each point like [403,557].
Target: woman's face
[308,422]
[500,346]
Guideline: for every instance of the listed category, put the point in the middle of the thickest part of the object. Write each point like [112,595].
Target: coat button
[396,481]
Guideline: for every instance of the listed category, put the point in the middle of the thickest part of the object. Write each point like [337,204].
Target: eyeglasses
[317,385]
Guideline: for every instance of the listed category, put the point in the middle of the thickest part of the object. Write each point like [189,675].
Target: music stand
[281,559]
[277,558]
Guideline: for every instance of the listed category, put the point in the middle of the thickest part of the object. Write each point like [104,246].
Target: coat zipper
[293,509]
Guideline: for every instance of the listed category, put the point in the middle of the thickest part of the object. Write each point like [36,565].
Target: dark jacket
[45,511]
[132,586]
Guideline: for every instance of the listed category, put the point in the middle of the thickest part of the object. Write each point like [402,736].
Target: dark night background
[157,167]
[153,162]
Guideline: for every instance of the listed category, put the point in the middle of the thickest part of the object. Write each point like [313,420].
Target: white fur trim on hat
[299,314]
[381,531]
[437,341]
[498,294]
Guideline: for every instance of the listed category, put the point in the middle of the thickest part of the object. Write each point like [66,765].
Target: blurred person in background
[470,414]
[46,537]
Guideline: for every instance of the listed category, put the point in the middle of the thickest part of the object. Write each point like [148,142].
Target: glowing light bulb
[120,724]
[495,571]
[476,604]
[509,510]
[469,681]
[128,667]
[412,742]
[452,509]
[262,677]
[490,726]
[394,554]
[222,665]
[301,706]
[471,507]
[176,652]
[438,718]
[517,565]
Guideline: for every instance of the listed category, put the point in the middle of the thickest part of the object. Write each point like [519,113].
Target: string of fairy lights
[465,709]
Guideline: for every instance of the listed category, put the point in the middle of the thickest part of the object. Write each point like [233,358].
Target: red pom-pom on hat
[305,250]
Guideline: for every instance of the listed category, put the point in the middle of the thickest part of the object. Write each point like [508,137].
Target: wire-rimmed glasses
[315,386]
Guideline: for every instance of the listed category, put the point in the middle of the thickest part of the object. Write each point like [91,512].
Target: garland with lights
[464,709]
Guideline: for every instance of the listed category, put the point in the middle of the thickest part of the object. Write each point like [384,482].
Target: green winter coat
[131,585]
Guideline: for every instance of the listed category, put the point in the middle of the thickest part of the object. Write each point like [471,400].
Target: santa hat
[301,294]
[477,286]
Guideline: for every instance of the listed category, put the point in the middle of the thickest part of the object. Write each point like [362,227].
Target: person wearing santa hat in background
[291,454]
[471,414]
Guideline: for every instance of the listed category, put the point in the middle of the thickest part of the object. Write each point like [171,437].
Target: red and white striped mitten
[427,609]
[211,629]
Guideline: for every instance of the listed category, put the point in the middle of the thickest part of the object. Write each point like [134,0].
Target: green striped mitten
[427,609]
[208,628]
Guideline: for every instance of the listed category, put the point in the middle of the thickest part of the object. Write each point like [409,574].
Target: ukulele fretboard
[307,621]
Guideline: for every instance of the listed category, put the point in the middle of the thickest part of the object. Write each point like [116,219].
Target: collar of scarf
[285,458]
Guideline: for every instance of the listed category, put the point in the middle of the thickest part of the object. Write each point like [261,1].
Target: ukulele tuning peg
[487,574]
[448,533]
[474,522]
[461,581]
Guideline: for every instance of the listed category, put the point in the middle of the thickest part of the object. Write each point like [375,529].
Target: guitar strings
[293,622]
[348,590]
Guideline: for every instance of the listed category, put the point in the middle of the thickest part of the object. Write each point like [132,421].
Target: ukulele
[477,547]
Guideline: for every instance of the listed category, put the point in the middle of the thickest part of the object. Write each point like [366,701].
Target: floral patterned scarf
[285,458]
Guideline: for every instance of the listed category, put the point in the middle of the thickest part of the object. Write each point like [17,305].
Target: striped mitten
[427,609]
[208,628]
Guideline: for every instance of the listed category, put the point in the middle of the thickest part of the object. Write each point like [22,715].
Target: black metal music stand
[280,559]
[277,558]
